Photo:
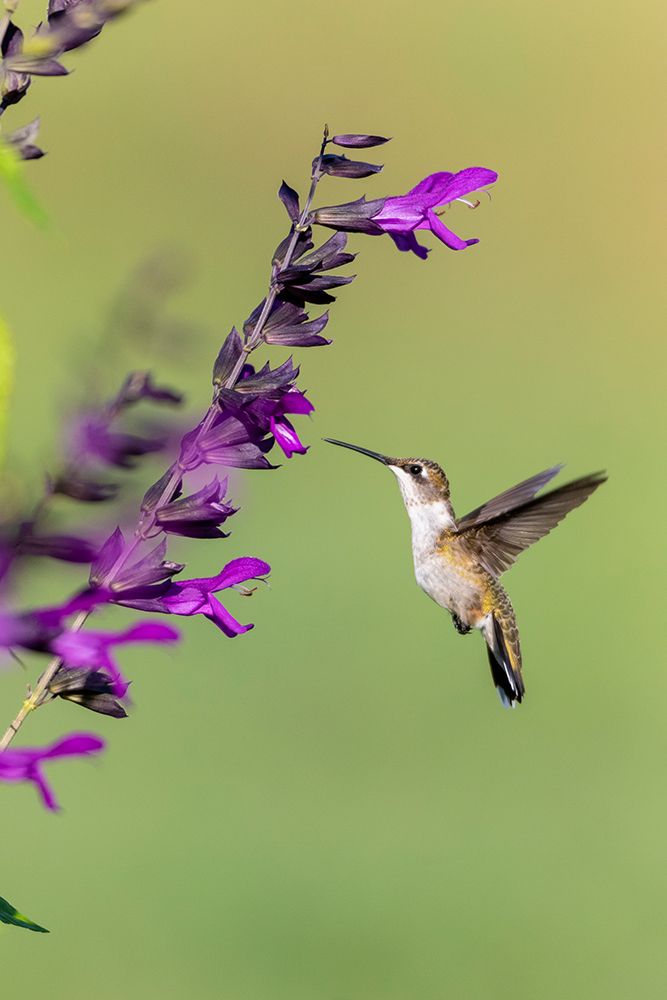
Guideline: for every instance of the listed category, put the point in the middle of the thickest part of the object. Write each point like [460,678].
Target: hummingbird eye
[415,470]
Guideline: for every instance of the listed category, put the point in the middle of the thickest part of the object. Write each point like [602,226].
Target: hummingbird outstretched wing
[496,539]
[514,497]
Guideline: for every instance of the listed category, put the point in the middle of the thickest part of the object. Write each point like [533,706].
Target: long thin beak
[364,451]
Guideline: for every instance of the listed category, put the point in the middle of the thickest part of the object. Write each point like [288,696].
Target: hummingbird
[459,561]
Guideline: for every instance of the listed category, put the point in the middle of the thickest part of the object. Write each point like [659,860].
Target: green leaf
[9,915]
[11,174]
[6,367]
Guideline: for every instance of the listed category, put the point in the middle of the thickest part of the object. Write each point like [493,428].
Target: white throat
[428,520]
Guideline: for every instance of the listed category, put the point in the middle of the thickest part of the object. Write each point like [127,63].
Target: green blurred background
[335,806]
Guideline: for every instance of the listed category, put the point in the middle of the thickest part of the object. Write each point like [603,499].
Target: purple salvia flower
[196,597]
[282,428]
[401,216]
[267,411]
[198,515]
[416,210]
[93,649]
[26,765]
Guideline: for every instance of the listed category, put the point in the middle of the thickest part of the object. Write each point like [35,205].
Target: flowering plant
[251,414]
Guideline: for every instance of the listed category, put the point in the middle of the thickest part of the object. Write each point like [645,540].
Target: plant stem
[146,524]
[256,336]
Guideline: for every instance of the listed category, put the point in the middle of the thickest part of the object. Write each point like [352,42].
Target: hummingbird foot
[460,626]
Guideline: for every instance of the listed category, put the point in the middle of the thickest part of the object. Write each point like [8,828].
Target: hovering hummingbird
[458,562]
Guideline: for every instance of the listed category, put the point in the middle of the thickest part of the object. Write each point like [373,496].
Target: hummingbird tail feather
[505,663]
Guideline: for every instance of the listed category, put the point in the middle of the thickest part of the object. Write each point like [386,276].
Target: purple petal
[236,571]
[443,187]
[44,789]
[146,632]
[91,649]
[296,402]
[450,239]
[401,218]
[85,601]
[185,599]
[432,187]
[407,211]
[287,437]
[408,242]
[82,649]
[75,745]
[11,630]
[465,181]
[225,621]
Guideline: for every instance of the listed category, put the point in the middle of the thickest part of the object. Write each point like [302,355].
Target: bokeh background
[335,806]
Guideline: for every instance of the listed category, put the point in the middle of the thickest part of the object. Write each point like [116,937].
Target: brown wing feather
[497,542]
[515,496]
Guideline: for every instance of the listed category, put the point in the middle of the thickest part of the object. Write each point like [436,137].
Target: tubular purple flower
[282,428]
[93,649]
[196,597]
[416,210]
[271,415]
[400,216]
[26,765]
[287,437]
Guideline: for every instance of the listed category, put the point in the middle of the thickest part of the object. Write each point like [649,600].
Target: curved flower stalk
[252,410]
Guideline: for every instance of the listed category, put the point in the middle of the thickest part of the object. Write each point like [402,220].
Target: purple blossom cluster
[252,411]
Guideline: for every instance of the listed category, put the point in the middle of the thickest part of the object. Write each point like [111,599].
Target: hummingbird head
[422,482]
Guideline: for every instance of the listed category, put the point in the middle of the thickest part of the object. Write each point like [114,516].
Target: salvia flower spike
[252,409]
